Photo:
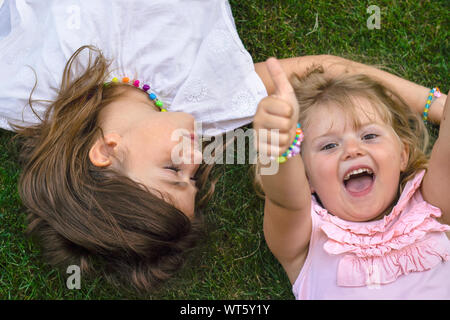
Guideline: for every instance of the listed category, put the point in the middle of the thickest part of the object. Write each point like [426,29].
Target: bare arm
[413,94]
[436,182]
[287,230]
[287,219]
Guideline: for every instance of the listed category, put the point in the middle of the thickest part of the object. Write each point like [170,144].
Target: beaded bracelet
[294,148]
[434,92]
[145,88]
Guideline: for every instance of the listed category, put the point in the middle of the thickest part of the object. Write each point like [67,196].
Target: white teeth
[347,176]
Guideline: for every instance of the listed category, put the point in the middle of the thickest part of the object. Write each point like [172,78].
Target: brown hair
[316,88]
[96,217]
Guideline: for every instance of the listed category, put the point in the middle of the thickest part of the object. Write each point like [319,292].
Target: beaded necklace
[145,88]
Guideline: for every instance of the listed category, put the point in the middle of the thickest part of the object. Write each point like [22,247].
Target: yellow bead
[163,110]
[115,79]
[281,159]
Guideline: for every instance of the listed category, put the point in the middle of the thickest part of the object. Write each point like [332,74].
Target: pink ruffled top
[403,256]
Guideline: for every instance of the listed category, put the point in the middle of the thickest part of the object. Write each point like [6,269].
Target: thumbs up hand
[276,112]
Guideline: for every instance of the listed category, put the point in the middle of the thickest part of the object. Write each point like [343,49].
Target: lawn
[233,261]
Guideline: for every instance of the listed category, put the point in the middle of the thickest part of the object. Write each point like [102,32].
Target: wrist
[432,97]
[437,109]
[294,148]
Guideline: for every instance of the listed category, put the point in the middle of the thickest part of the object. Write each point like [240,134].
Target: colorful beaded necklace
[145,88]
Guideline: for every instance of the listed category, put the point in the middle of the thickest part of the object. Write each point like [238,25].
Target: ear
[104,150]
[404,157]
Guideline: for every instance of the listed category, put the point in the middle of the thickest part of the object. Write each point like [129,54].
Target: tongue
[358,184]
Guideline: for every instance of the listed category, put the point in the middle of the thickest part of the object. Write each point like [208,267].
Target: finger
[283,87]
[276,123]
[274,137]
[277,107]
[268,150]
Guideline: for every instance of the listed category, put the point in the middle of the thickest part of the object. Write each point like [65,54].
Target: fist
[276,118]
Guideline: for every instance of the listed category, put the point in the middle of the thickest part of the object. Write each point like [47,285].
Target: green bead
[281,159]
[159,103]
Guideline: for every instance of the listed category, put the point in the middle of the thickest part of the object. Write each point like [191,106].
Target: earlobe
[103,150]
[404,157]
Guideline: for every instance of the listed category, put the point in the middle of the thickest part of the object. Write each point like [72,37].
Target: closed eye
[175,169]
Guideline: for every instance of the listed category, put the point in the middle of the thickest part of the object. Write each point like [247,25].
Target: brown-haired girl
[99,182]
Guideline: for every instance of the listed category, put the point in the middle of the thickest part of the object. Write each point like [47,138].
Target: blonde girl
[361,213]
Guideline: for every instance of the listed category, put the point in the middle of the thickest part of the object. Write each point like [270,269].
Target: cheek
[389,157]
[320,170]
[161,136]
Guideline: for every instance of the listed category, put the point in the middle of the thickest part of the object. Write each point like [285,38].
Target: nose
[352,149]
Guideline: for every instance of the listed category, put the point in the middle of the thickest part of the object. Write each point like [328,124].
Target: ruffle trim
[374,271]
[402,242]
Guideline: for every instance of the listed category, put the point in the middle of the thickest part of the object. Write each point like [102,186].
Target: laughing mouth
[359,182]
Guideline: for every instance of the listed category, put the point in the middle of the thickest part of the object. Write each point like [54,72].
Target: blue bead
[152,96]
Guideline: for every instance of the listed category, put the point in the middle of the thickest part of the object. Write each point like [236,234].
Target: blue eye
[329,146]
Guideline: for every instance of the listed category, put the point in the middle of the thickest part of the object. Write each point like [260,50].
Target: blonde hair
[97,217]
[316,88]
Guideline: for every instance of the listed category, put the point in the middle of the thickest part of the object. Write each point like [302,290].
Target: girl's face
[354,171]
[135,128]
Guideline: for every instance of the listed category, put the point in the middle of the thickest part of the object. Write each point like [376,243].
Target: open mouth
[359,182]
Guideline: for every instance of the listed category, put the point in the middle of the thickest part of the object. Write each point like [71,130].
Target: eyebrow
[330,133]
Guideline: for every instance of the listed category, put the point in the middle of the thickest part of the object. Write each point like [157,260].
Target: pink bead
[136,83]
[295,150]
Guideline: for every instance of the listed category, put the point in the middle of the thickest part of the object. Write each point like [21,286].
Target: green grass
[233,261]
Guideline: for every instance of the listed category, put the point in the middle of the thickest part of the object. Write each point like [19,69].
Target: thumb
[283,88]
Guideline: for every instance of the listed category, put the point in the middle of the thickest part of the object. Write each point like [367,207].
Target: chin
[360,214]
[366,217]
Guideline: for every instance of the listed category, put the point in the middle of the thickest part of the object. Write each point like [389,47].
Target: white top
[189,52]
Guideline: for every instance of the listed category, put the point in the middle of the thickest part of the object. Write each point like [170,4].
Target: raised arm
[413,94]
[287,218]
[436,182]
